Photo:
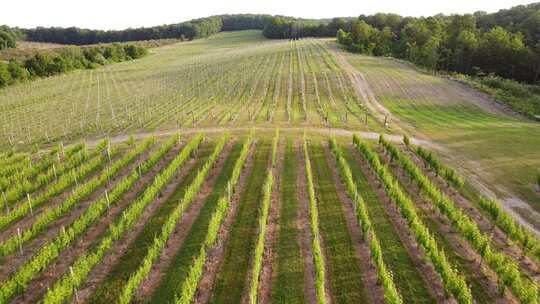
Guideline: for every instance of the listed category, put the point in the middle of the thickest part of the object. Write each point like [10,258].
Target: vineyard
[256,218]
[225,80]
[237,169]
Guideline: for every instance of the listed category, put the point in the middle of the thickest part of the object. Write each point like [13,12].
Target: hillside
[238,169]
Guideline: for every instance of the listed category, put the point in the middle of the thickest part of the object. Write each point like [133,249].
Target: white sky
[120,14]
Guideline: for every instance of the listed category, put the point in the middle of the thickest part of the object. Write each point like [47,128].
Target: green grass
[110,289]
[503,152]
[289,266]
[407,277]
[342,262]
[178,269]
[231,281]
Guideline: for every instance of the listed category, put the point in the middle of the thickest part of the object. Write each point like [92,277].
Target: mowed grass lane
[230,284]
[288,286]
[343,266]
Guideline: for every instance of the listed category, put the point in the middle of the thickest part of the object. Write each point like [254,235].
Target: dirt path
[283,129]
[269,257]
[111,258]
[60,266]
[474,262]
[215,255]
[183,228]
[374,289]
[304,226]
[364,91]
[431,277]
[30,248]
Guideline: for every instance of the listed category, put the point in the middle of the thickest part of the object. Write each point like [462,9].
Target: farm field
[229,79]
[237,169]
[202,218]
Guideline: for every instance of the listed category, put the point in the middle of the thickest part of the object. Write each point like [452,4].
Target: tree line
[43,64]
[188,30]
[477,44]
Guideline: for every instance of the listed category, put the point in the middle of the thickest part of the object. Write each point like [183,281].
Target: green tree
[17,71]
[364,37]
[38,65]
[385,40]
[466,45]
[7,39]
[5,76]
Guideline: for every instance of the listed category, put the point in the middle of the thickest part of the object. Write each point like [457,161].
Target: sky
[121,14]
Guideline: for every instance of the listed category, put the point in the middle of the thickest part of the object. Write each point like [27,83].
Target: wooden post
[30,204]
[5,202]
[20,239]
[107,199]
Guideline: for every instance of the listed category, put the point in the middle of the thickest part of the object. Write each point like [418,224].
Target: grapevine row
[18,190]
[159,242]
[391,293]
[263,224]
[48,253]
[516,232]
[78,195]
[519,234]
[507,270]
[189,286]
[318,258]
[64,288]
[454,283]
[60,186]
[433,162]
